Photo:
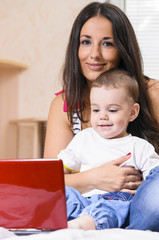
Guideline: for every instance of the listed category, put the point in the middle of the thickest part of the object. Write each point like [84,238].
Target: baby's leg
[103,213]
[83,222]
[75,203]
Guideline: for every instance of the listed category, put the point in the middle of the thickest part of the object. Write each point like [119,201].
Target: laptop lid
[32,194]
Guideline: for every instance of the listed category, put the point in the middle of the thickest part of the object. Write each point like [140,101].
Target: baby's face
[111,109]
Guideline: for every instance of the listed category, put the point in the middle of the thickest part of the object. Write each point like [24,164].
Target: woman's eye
[85,42]
[108,44]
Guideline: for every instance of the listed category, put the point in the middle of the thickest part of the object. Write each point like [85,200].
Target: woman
[102,38]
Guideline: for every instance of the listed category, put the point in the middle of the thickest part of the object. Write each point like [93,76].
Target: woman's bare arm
[59,133]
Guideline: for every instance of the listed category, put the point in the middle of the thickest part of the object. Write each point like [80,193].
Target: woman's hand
[110,177]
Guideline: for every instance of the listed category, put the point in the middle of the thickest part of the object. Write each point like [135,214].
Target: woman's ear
[134,112]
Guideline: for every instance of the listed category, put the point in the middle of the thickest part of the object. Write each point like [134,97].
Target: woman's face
[97,51]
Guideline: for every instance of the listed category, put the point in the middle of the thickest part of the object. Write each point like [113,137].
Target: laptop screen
[32,194]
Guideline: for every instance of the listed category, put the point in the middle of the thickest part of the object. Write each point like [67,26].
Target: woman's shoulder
[57,104]
[60,99]
[153,96]
[153,89]
[58,127]
[153,85]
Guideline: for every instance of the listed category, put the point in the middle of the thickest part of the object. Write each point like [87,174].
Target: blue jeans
[144,208]
[113,210]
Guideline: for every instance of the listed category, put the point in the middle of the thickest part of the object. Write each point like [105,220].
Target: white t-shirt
[88,150]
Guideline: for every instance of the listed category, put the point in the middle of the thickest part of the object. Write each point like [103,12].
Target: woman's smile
[96,66]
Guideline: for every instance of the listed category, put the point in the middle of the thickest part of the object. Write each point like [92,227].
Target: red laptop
[32,195]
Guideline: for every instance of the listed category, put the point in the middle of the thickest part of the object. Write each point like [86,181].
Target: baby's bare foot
[83,222]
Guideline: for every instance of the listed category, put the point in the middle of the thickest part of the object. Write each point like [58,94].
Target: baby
[114,107]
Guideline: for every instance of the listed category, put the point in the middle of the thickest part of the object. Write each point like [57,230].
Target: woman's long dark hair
[74,82]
